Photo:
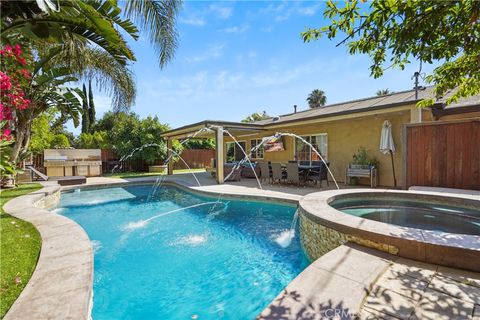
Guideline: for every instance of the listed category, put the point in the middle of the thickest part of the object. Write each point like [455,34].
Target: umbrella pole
[393,168]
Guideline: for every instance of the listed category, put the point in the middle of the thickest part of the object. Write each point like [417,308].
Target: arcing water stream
[283,239]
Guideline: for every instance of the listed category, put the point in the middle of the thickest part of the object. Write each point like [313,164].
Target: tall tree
[395,33]
[316,99]
[383,92]
[85,111]
[91,106]
[257,116]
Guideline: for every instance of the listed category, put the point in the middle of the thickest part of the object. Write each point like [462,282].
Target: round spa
[424,226]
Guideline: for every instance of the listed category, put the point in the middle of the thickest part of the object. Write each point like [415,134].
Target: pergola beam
[169,156]
[219,155]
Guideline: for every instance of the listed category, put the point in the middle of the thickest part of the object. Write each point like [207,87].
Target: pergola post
[219,154]
[169,156]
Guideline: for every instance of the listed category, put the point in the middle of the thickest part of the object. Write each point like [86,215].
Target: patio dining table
[304,168]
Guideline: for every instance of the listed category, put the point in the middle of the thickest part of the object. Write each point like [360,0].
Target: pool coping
[62,282]
[423,245]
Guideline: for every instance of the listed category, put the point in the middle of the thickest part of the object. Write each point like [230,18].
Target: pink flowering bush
[14,78]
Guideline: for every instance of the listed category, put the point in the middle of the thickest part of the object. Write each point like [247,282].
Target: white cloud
[309,11]
[212,52]
[267,29]
[222,11]
[252,54]
[285,10]
[237,29]
[193,21]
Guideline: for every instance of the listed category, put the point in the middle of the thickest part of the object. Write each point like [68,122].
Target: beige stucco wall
[345,137]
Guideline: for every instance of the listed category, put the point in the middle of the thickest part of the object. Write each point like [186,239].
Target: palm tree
[316,99]
[98,22]
[383,92]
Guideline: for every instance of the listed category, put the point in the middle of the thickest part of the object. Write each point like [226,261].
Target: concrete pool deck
[61,285]
[354,282]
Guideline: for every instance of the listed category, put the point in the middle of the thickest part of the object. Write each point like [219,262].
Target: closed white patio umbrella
[387,145]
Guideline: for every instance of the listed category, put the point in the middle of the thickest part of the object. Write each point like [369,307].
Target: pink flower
[6,134]
[4,82]
[5,113]
[17,50]
[25,73]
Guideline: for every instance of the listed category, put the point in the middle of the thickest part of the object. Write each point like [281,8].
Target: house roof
[392,100]
[370,104]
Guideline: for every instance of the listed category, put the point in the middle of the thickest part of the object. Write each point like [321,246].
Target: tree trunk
[22,135]
[18,145]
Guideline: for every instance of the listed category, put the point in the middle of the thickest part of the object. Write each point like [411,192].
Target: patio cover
[217,128]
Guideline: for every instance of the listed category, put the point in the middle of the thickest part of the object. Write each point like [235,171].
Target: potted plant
[361,159]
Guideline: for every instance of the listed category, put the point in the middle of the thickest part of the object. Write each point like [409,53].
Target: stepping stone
[402,284]
[467,277]
[415,269]
[439,306]
[391,303]
[371,314]
[456,289]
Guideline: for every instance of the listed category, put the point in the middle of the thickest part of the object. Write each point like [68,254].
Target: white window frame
[312,135]
[255,156]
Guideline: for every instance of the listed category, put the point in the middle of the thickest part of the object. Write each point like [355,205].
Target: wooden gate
[442,154]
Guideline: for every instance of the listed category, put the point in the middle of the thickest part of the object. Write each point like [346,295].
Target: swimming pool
[155,260]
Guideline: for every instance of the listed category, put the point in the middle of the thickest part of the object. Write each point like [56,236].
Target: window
[303,152]
[233,153]
[258,153]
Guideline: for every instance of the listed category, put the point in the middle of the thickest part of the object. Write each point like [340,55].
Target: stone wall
[318,239]
[49,201]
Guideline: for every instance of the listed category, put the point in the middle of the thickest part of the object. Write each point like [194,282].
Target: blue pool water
[207,262]
[414,214]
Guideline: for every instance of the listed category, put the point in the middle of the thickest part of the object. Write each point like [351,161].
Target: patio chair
[265,173]
[319,175]
[249,171]
[293,175]
[237,172]
[277,172]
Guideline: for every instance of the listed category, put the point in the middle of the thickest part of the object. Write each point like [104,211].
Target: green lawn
[147,174]
[20,245]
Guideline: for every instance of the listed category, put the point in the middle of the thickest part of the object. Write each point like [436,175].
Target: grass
[126,175]
[20,245]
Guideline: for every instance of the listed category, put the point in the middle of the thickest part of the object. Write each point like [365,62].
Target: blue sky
[236,58]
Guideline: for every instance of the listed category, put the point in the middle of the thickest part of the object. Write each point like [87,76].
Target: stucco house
[337,130]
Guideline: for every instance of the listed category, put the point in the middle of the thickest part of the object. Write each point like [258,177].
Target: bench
[362,172]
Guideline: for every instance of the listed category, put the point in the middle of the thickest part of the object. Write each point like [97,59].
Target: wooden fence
[195,158]
[442,154]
